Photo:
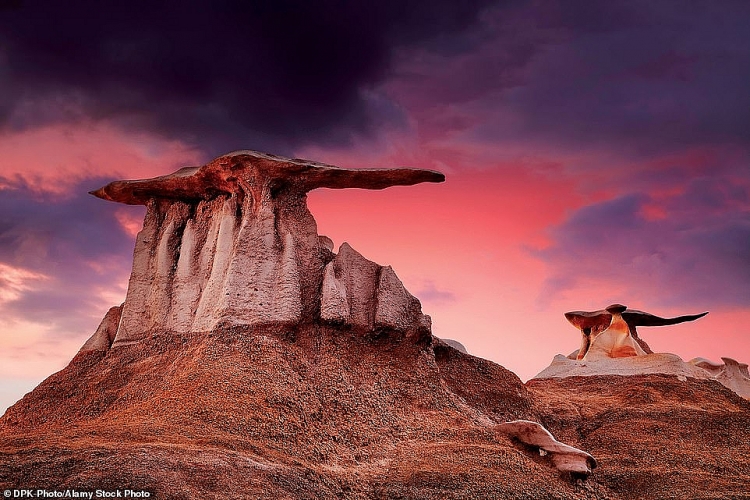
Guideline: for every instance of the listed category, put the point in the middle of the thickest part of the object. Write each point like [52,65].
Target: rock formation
[251,361]
[565,458]
[103,337]
[654,436]
[454,344]
[731,374]
[612,333]
[610,345]
[661,363]
[233,243]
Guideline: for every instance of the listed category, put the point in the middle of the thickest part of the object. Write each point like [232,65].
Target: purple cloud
[75,242]
[430,293]
[221,74]
[696,252]
[634,80]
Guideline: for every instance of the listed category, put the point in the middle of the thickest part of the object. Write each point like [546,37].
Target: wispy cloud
[60,256]
[432,294]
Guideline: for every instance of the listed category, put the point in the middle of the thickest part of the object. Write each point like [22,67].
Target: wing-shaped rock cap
[232,243]
[612,332]
[564,457]
[633,317]
[252,171]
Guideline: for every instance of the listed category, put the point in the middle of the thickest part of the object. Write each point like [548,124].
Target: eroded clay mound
[661,363]
[313,412]
[654,436]
[730,374]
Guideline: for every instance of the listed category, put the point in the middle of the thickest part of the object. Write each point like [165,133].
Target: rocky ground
[654,436]
[320,412]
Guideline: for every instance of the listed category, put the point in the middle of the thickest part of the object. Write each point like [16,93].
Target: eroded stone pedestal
[233,243]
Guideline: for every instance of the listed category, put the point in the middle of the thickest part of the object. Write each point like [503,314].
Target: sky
[594,152]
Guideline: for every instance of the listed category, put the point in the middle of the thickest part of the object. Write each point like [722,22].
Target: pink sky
[593,154]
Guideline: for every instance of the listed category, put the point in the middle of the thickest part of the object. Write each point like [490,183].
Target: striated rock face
[368,297]
[233,243]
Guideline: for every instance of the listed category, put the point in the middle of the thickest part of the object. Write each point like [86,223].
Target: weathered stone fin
[183,184]
[736,365]
[633,317]
[564,457]
[706,364]
[363,294]
[640,318]
[343,178]
[334,305]
[395,307]
[358,279]
[104,335]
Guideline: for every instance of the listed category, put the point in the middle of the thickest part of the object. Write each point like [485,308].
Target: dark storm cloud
[75,242]
[634,78]
[213,73]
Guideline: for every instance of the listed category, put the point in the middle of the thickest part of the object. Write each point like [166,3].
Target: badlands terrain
[251,360]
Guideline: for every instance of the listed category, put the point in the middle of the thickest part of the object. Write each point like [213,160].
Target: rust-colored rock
[653,436]
[261,176]
[103,337]
[270,412]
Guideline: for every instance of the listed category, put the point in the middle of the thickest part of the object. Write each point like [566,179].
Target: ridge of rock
[657,363]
